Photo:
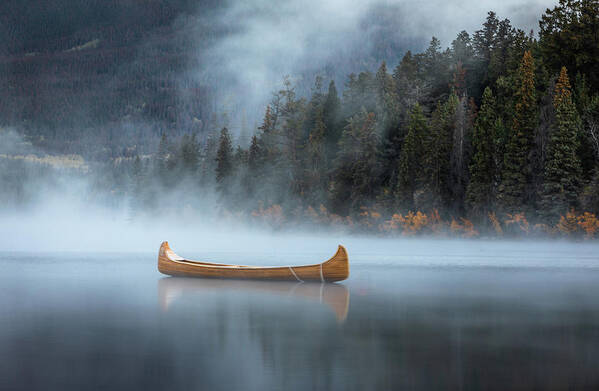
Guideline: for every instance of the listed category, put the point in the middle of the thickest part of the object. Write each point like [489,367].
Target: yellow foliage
[435,222]
[412,223]
[568,224]
[455,227]
[496,223]
[589,223]
[417,223]
[468,228]
[391,225]
[464,229]
[368,218]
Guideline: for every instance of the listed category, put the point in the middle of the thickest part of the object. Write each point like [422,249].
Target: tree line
[499,122]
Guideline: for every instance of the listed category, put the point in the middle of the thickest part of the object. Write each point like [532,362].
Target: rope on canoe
[321,276]
[295,275]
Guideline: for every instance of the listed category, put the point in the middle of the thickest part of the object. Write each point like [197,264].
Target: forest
[497,134]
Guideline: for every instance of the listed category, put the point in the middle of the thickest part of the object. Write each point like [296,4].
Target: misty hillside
[73,71]
[78,74]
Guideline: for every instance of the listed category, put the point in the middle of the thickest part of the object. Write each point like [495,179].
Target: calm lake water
[414,315]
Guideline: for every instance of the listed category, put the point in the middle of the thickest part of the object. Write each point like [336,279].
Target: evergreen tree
[484,39]
[190,153]
[569,36]
[483,171]
[224,162]
[590,195]
[331,111]
[437,155]
[357,170]
[387,105]
[255,155]
[465,112]
[410,158]
[562,166]
[514,191]
[252,179]
[316,164]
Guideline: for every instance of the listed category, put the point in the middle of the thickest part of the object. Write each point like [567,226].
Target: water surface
[418,315]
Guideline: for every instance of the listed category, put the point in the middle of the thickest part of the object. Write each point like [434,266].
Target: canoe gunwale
[173,257]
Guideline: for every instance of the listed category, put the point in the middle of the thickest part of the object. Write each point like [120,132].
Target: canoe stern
[336,268]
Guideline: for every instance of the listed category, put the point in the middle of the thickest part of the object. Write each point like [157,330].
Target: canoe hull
[335,269]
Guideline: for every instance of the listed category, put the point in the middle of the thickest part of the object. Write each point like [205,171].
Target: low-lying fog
[69,224]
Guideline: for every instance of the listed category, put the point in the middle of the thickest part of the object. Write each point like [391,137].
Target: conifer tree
[331,111]
[190,153]
[480,193]
[410,157]
[254,155]
[437,155]
[224,162]
[386,99]
[252,178]
[562,166]
[356,173]
[514,191]
[316,164]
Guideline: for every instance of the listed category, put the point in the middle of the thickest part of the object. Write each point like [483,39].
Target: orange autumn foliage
[589,223]
[419,223]
[568,224]
[496,224]
[412,223]
[464,229]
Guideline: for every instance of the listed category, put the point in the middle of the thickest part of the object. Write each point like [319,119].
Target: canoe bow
[334,269]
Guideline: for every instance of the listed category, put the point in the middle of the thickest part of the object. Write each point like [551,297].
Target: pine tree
[255,155]
[561,184]
[410,157]
[224,162]
[568,36]
[387,102]
[483,171]
[590,195]
[190,153]
[252,176]
[356,165]
[316,164]
[437,155]
[514,192]
[267,130]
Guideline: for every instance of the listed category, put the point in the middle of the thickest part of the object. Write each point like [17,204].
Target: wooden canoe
[335,269]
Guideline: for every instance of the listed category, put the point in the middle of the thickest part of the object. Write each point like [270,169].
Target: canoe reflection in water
[333,296]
